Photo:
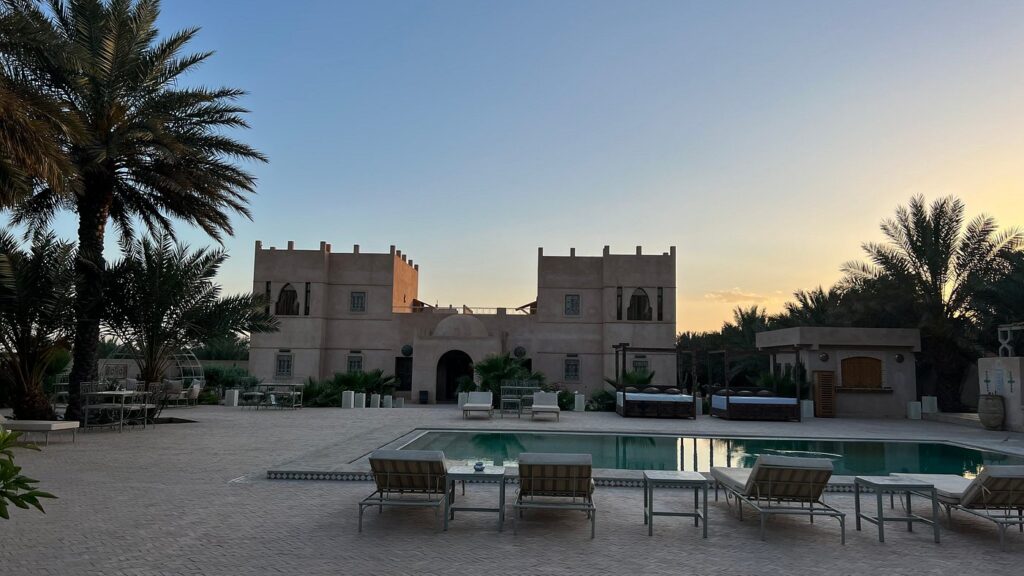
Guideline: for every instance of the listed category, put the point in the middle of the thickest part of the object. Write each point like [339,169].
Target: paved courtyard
[194,499]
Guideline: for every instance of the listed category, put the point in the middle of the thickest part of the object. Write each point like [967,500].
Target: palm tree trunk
[89,268]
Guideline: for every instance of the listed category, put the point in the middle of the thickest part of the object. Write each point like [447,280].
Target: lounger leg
[360,518]
[1002,537]
[1020,519]
[910,523]
[704,491]
[812,512]
[646,488]
[935,514]
[842,530]
[881,522]
[593,523]
[46,438]
[856,504]
[696,501]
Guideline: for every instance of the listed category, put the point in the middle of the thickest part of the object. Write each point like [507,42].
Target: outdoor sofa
[408,478]
[654,402]
[479,402]
[780,485]
[753,404]
[555,482]
[996,494]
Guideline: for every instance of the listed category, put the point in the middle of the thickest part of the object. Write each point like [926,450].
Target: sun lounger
[996,494]
[780,485]
[556,481]
[43,427]
[545,403]
[410,478]
[479,402]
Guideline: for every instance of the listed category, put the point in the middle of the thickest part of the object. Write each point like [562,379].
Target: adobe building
[356,311]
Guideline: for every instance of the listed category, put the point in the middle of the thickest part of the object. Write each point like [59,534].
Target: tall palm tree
[36,290]
[162,299]
[940,260]
[148,148]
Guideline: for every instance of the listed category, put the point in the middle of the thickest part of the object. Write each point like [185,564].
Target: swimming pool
[636,452]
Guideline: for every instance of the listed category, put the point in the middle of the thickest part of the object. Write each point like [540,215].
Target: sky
[765,140]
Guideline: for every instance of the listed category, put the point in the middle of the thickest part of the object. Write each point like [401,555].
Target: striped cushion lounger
[996,494]
[556,481]
[410,478]
[780,485]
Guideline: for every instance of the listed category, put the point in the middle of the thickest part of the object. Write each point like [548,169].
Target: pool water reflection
[635,452]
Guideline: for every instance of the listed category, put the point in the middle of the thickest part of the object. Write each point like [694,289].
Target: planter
[386,401]
[399,402]
[374,400]
[360,400]
[929,404]
[463,398]
[231,397]
[347,399]
[913,410]
[991,411]
[698,406]
[579,402]
[806,409]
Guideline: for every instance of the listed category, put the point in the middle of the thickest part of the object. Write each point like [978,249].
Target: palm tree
[147,147]
[939,260]
[638,379]
[816,307]
[36,291]
[161,299]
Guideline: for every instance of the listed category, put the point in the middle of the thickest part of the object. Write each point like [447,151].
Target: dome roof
[460,326]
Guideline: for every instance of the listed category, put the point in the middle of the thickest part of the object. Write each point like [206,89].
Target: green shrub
[566,400]
[465,384]
[219,378]
[602,401]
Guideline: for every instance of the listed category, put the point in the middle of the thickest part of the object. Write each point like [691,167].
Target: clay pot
[991,411]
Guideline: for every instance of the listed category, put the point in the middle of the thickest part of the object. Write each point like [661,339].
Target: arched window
[639,306]
[287,302]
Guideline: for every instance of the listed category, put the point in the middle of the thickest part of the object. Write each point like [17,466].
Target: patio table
[120,398]
[896,484]
[490,475]
[675,479]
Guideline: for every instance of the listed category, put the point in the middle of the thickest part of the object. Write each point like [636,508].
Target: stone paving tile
[192,499]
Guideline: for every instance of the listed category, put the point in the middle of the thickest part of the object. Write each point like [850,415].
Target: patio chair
[556,481]
[409,478]
[479,402]
[996,494]
[545,403]
[780,485]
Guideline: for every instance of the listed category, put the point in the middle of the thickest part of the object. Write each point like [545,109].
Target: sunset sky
[764,139]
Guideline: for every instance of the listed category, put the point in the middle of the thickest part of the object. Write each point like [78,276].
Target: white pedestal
[374,400]
[347,398]
[399,402]
[913,410]
[463,398]
[231,397]
[360,400]
[929,404]
[806,409]
[698,405]
[386,401]
[579,403]
[1004,375]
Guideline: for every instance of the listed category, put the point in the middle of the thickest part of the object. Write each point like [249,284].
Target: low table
[895,485]
[489,475]
[43,427]
[670,479]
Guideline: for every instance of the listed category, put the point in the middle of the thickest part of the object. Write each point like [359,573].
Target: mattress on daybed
[719,402]
[644,397]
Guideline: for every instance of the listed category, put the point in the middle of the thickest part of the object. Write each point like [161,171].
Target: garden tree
[161,298]
[746,323]
[817,307]
[36,296]
[497,368]
[145,147]
[935,258]
[33,125]
[1001,302]
[231,347]
[638,379]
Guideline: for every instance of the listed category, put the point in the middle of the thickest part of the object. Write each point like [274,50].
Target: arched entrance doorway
[450,366]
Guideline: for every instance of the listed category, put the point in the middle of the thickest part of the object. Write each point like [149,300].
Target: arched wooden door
[861,372]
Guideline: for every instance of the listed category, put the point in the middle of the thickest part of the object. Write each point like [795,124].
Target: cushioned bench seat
[42,426]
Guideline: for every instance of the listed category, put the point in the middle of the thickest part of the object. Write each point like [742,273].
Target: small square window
[355,363]
[572,304]
[283,366]
[640,365]
[572,370]
[357,302]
